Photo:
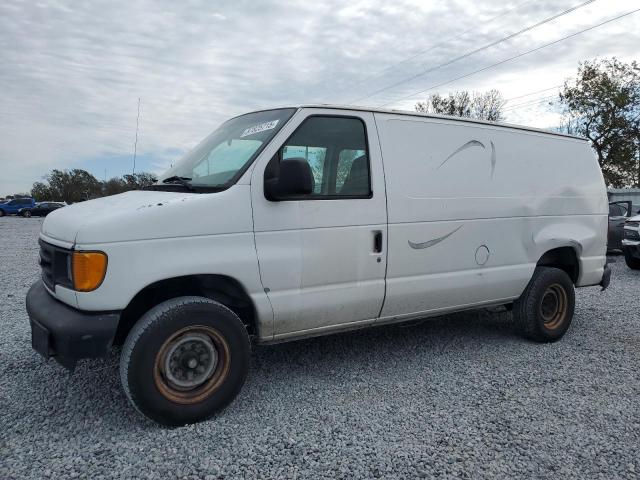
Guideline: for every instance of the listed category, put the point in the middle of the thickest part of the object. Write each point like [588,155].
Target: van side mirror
[294,178]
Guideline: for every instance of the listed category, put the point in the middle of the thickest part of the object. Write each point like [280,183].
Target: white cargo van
[295,222]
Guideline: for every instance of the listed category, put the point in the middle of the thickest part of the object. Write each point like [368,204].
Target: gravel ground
[458,396]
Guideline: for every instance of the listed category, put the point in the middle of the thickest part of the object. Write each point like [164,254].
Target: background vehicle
[12,207]
[41,209]
[618,214]
[291,223]
[631,242]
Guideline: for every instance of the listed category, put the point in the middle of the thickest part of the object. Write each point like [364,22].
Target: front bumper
[65,333]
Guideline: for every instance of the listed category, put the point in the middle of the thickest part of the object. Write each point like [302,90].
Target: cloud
[71,73]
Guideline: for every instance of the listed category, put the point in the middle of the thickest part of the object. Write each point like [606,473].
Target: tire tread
[149,320]
[525,311]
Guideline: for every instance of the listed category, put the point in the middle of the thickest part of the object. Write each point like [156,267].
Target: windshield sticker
[261,127]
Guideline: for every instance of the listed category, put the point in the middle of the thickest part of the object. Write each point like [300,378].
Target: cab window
[335,149]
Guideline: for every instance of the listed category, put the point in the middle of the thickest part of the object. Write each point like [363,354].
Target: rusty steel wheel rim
[553,307]
[191,364]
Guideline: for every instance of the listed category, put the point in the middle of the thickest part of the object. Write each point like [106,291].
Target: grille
[54,262]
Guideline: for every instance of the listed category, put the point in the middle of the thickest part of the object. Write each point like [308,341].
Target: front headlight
[88,270]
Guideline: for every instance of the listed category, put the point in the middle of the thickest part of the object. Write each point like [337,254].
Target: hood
[635,218]
[139,215]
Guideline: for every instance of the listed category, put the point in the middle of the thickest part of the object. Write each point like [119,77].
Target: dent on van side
[296,222]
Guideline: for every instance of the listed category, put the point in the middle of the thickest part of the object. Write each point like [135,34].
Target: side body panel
[472,208]
[316,256]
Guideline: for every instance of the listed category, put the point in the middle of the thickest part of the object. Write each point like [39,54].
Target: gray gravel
[458,396]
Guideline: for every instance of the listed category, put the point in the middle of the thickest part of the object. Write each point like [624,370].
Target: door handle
[377,241]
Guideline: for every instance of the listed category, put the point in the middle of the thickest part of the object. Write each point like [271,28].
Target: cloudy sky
[71,72]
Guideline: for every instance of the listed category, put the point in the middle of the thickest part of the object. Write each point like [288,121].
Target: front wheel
[632,262]
[544,311]
[184,360]
[26,213]
[2,213]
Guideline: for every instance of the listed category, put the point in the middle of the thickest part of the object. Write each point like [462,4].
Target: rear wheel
[1,213]
[184,360]
[544,311]
[631,261]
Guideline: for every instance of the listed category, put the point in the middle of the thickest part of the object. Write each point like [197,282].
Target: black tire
[161,348]
[26,214]
[632,262]
[544,311]
[2,213]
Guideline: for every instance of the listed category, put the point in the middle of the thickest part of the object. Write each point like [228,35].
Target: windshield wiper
[184,181]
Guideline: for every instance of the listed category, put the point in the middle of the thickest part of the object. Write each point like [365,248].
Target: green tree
[68,185]
[113,186]
[40,192]
[77,185]
[481,106]
[140,180]
[136,181]
[603,105]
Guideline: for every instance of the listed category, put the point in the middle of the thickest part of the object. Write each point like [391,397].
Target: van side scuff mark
[469,144]
[493,158]
[474,143]
[431,243]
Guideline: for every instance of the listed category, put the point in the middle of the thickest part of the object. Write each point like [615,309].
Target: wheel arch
[222,288]
[565,258]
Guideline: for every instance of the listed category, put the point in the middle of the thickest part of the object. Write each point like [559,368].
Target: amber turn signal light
[88,270]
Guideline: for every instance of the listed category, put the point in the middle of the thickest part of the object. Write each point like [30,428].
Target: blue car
[12,207]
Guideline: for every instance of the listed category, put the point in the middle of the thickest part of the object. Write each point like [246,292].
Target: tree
[67,185]
[140,180]
[114,186]
[41,192]
[77,185]
[481,106]
[73,185]
[136,181]
[603,104]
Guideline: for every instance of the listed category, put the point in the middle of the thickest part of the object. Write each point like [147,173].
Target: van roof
[443,117]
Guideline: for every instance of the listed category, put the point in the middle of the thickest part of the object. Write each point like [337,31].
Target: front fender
[134,265]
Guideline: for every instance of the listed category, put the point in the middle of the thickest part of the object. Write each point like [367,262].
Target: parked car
[631,242]
[296,222]
[41,209]
[12,207]
[618,214]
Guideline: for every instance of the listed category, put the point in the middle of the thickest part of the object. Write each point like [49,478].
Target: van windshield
[219,160]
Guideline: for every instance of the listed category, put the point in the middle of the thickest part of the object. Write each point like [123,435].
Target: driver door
[322,256]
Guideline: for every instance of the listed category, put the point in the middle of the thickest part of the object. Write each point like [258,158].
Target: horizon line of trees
[77,185]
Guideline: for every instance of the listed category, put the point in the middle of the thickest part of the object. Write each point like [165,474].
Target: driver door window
[335,149]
